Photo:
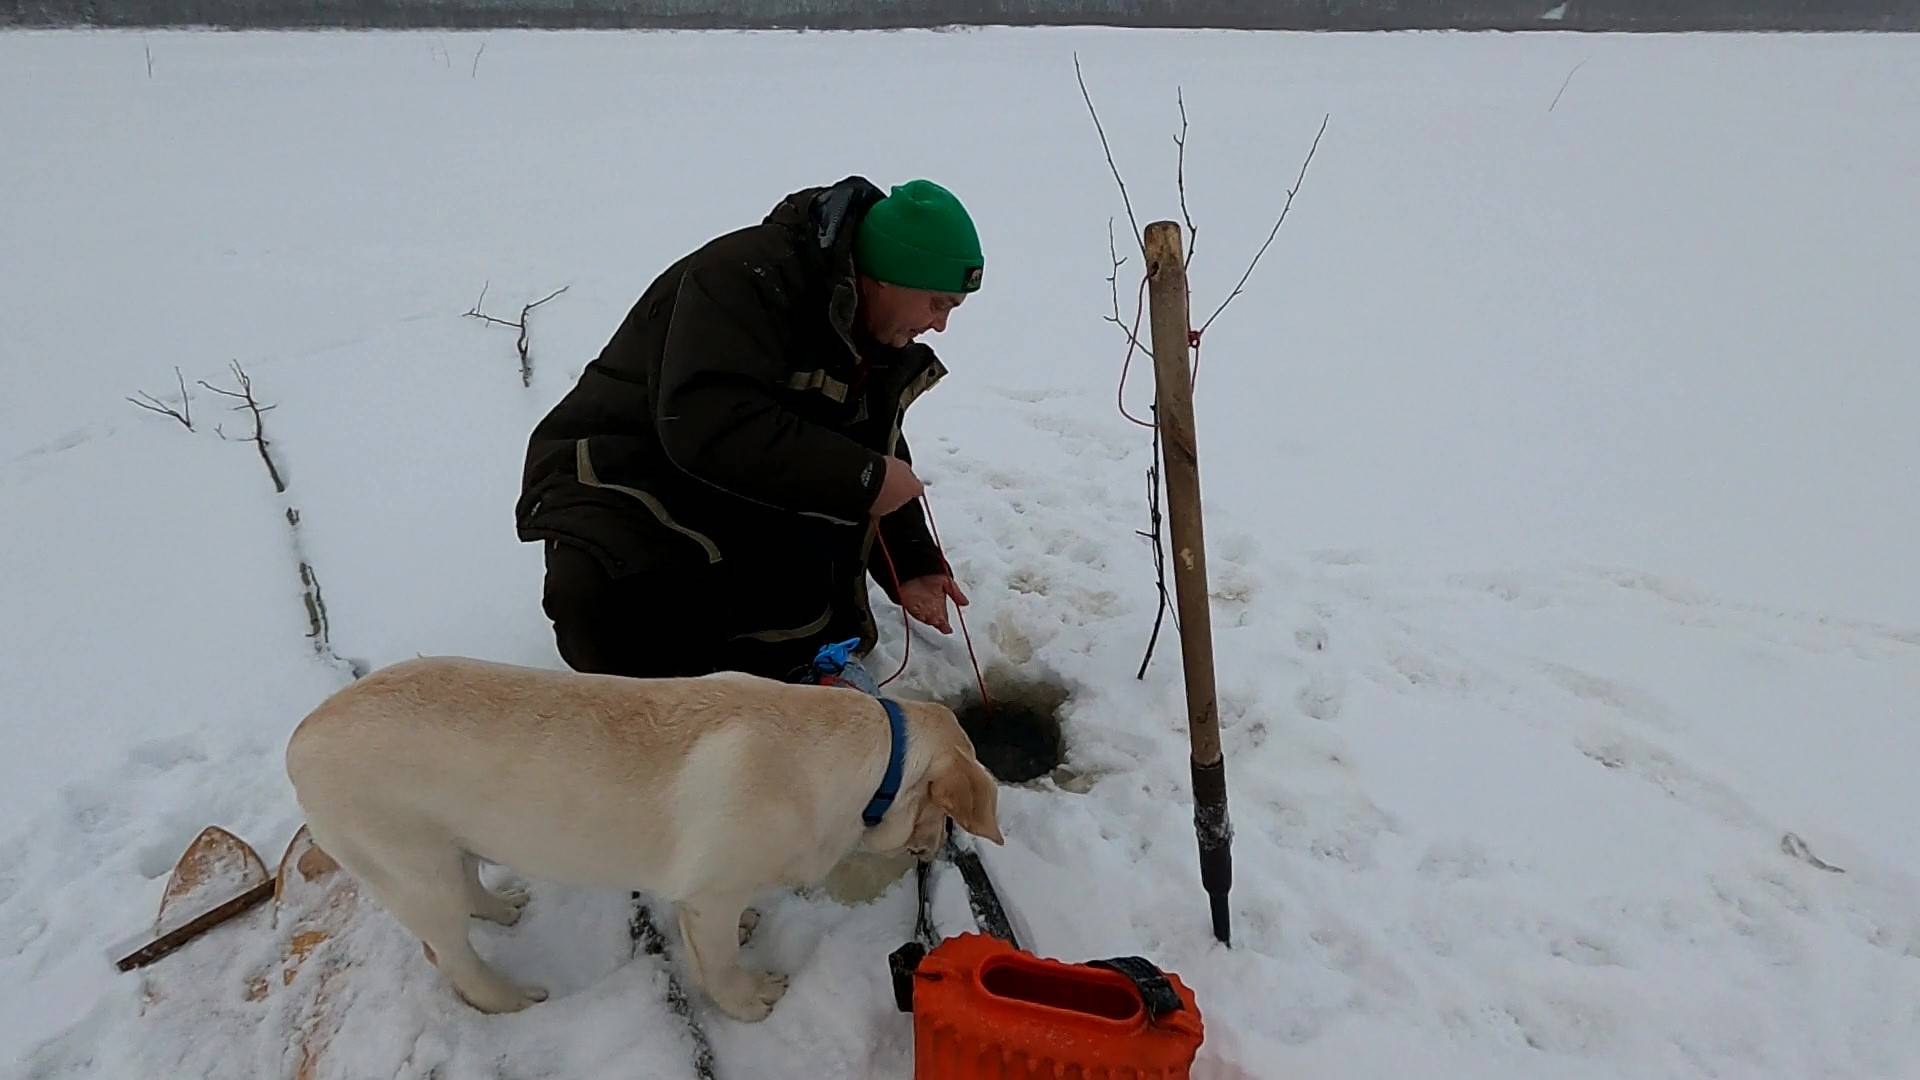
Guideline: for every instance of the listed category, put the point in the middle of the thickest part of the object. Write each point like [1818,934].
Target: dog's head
[955,785]
[960,788]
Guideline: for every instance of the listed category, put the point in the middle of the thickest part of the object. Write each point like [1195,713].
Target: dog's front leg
[710,925]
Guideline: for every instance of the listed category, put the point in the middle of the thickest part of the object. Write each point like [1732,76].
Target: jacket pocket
[585,474]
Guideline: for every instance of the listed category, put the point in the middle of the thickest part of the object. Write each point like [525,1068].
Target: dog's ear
[967,793]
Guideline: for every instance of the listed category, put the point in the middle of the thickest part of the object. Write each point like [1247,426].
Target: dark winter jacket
[734,430]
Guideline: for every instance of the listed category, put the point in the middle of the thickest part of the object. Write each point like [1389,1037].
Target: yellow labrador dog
[702,791]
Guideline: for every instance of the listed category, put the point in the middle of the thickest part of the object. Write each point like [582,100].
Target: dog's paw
[755,998]
[504,906]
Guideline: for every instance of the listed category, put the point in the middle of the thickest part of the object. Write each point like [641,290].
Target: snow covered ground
[1556,460]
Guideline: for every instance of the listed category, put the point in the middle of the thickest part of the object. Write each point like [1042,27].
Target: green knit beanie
[920,237]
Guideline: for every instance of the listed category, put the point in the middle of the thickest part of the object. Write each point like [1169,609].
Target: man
[712,492]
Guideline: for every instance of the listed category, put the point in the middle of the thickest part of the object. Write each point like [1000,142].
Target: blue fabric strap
[896,761]
[831,659]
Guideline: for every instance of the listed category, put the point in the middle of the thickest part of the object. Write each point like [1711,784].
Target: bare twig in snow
[1796,847]
[1563,85]
[543,300]
[1291,192]
[319,628]
[316,608]
[184,414]
[247,401]
[526,359]
[475,313]
[476,61]
[149,52]
[1138,237]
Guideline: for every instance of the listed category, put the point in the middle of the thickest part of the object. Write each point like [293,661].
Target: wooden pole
[1173,409]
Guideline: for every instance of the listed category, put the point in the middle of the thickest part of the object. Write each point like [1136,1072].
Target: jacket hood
[823,221]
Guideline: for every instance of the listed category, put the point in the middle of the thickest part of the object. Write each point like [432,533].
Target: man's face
[894,315]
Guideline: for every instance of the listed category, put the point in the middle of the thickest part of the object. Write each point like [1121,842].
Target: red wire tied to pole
[1133,342]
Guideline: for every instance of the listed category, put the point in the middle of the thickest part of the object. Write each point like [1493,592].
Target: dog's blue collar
[896,761]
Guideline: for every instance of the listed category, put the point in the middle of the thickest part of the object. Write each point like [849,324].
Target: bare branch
[526,359]
[1275,231]
[1113,282]
[149,51]
[544,299]
[184,414]
[1138,237]
[476,61]
[259,439]
[1180,173]
[475,312]
[1159,555]
[1563,85]
[164,410]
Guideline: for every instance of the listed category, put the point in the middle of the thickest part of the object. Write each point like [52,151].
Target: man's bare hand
[898,488]
[925,598]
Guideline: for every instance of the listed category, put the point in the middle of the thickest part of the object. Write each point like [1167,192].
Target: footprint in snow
[1032,395]
[1311,637]
[1030,580]
[59,445]
[1016,642]
[1079,436]
[1455,860]
[1583,950]
[1321,696]
[1254,736]
[1753,916]
[1231,583]
[1342,556]
[1640,759]
[1422,672]
[1508,588]
[1369,962]
[1672,590]
[94,807]
[1611,693]
[164,753]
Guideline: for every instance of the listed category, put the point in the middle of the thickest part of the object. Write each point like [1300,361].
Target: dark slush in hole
[1018,739]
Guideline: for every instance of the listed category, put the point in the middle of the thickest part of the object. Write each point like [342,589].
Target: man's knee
[615,626]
